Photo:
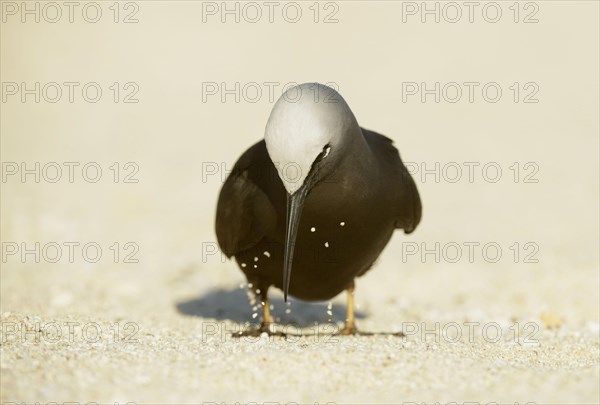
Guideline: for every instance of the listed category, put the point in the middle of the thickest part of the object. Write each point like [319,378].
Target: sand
[152,324]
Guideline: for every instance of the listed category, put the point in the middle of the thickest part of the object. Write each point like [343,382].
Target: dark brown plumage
[357,194]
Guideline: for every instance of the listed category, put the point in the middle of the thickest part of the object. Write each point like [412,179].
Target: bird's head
[308,124]
[307,132]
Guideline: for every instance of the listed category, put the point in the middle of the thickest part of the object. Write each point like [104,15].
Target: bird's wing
[406,195]
[244,212]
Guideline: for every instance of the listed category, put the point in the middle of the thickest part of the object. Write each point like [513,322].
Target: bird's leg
[349,325]
[266,321]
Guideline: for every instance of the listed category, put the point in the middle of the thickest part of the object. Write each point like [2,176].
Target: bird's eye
[325,152]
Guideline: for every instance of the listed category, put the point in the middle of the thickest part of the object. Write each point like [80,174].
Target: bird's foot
[265,327]
[349,329]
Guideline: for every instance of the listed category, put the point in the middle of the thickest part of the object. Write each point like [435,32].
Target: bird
[310,207]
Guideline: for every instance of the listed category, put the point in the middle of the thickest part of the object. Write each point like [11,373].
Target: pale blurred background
[175,132]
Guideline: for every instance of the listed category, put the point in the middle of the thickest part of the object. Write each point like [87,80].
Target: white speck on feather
[255,258]
[313,229]
[266,253]
[256,266]
[342,223]
[327,244]
[254,315]
[243,264]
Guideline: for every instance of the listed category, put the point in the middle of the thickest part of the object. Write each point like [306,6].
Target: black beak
[294,210]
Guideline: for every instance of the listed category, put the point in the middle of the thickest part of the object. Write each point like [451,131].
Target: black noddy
[310,208]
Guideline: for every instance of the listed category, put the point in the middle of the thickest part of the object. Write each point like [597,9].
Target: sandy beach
[113,289]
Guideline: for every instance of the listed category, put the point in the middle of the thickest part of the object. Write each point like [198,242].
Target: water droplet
[342,223]
[256,266]
[329,308]
[251,297]
[254,315]
[267,253]
[327,244]
[313,229]
[243,264]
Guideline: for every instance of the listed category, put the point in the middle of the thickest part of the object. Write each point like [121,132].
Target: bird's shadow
[233,305]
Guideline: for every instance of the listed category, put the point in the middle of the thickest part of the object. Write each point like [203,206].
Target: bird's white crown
[305,120]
